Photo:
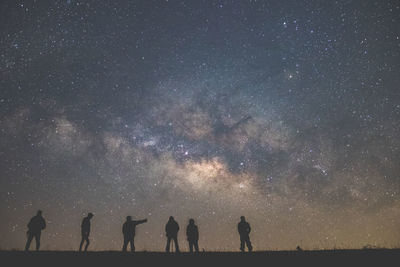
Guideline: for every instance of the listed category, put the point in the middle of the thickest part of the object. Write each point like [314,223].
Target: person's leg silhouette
[132,241]
[126,241]
[28,241]
[37,239]
[87,243]
[81,244]
[242,243]
[190,246]
[248,244]
[168,244]
[176,243]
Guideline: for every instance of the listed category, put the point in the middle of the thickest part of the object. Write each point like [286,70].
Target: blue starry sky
[286,112]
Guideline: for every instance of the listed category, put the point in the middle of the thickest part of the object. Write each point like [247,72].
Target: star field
[286,112]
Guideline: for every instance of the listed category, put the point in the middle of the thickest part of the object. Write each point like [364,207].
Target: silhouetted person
[129,229]
[85,230]
[192,234]
[244,231]
[171,229]
[35,227]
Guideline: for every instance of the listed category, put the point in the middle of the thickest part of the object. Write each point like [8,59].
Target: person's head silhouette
[90,215]
[191,221]
[39,213]
[171,218]
[128,218]
[242,219]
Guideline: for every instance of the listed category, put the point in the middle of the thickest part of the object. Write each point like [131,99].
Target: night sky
[286,112]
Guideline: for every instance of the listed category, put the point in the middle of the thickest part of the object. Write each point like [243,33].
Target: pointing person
[129,230]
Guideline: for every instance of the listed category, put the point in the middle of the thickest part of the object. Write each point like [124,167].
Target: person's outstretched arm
[140,221]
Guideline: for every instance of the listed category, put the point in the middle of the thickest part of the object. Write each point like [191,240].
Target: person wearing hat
[85,230]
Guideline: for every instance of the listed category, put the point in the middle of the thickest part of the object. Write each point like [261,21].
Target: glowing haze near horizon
[286,112]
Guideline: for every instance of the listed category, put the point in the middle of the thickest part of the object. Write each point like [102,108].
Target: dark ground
[375,257]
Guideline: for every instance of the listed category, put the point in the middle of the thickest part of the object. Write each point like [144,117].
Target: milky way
[286,112]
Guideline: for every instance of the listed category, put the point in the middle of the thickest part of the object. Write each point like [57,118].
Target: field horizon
[150,258]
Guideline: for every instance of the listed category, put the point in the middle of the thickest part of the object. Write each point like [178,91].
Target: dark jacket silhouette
[244,231]
[35,227]
[85,231]
[171,230]
[192,234]
[129,230]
